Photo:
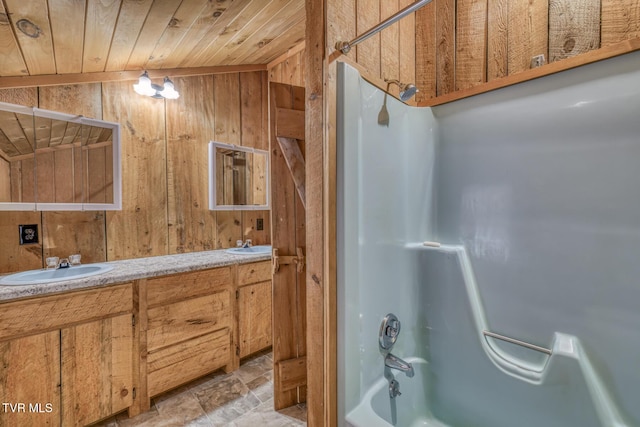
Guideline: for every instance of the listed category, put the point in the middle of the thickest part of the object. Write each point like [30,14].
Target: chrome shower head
[407,90]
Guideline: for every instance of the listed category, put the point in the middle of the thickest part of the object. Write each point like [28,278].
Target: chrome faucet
[395,362]
[241,244]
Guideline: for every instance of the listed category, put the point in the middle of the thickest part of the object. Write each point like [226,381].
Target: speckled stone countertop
[132,269]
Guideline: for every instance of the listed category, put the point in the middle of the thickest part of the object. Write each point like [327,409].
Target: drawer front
[165,290]
[53,312]
[180,363]
[173,323]
[254,272]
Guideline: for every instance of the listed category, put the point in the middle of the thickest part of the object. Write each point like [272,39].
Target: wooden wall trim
[67,79]
[606,52]
[288,54]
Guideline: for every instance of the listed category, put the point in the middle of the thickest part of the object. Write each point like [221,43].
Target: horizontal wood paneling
[169,289]
[53,312]
[188,360]
[174,323]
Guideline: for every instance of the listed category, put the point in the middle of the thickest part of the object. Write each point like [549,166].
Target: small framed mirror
[56,161]
[238,177]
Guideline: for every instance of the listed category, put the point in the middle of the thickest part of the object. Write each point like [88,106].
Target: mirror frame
[117,167]
[212,178]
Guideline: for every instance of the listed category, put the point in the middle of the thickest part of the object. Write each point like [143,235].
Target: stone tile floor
[243,398]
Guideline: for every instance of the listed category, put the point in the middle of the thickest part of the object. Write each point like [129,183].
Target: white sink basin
[253,250]
[35,277]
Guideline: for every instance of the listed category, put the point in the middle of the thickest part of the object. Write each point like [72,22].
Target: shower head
[407,90]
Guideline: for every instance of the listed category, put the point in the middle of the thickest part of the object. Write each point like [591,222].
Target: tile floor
[243,398]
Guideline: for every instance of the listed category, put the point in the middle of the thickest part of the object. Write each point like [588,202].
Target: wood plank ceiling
[43,37]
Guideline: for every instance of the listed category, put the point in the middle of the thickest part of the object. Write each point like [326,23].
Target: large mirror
[238,177]
[56,161]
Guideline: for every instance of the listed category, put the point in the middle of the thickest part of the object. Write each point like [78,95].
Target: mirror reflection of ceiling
[20,133]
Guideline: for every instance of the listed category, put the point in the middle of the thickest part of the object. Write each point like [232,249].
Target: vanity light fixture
[145,87]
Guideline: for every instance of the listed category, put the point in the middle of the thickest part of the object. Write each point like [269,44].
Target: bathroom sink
[35,277]
[252,250]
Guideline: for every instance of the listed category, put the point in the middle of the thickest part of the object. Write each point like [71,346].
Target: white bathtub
[377,409]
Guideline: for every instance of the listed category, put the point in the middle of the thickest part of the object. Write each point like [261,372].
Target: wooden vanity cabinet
[68,358]
[190,327]
[254,296]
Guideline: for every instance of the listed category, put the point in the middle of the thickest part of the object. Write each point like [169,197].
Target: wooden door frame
[320,182]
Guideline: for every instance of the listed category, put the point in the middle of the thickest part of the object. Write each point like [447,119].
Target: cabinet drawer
[254,272]
[164,290]
[21,318]
[173,323]
[177,364]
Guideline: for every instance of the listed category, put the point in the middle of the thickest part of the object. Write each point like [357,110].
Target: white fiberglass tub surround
[534,192]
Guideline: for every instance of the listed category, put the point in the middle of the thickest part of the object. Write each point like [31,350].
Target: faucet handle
[389,331]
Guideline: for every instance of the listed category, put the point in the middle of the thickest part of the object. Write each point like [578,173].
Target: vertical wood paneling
[528,33]
[445,46]
[69,233]
[37,47]
[497,39]
[368,52]
[390,44]
[426,51]
[620,20]
[408,48]
[250,229]
[100,22]
[140,229]
[229,228]
[190,124]
[67,26]
[227,103]
[574,27]
[289,71]
[36,357]
[284,239]
[251,106]
[13,256]
[63,165]
[45,191]
[5,181]
[471,43]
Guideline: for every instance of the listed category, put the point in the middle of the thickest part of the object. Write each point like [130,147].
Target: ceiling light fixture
[145,87]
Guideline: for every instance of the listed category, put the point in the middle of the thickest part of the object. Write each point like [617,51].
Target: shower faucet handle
[389,331]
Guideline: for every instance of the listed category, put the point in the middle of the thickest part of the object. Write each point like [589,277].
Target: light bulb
[168,90]
[143,87]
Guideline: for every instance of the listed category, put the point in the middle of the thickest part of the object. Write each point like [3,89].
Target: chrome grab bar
[517,342]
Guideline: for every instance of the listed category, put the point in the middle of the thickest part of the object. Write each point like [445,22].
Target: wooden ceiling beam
[111,76]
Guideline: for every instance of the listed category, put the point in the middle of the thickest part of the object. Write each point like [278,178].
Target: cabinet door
[254,323]
[97,369]
[29,381]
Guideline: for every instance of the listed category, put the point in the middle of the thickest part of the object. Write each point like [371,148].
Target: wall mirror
[238,177]
[56,161]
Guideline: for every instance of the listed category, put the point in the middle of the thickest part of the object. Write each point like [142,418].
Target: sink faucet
[395,362]
[241,244]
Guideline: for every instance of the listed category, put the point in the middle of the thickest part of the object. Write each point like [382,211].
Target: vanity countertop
[138,268]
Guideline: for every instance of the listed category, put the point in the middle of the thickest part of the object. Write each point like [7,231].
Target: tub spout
[395,362]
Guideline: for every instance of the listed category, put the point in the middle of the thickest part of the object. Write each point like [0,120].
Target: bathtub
[377,409]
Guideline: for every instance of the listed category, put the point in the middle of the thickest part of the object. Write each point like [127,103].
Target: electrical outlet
[537,61]
[28,233]
[260,224]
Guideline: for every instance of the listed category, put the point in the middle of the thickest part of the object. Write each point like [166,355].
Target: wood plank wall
[391,54]
[290,71]
[464,43]
[164,161]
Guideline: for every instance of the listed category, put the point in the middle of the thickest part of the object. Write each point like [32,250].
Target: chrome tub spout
[395,362]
